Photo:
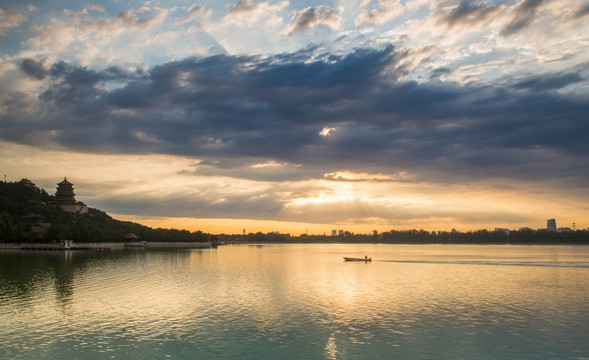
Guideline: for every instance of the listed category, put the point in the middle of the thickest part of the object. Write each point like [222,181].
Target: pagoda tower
[65,198]
[65,193]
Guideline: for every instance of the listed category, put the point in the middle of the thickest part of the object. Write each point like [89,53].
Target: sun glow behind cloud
[326,131]
[153,190]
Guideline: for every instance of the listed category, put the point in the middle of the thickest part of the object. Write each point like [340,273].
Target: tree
[6,227]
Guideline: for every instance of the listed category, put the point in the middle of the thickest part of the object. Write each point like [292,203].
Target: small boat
[365,259]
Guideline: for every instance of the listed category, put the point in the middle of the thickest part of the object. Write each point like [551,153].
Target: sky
[302,116]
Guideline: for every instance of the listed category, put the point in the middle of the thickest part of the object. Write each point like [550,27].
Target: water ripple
[295,302]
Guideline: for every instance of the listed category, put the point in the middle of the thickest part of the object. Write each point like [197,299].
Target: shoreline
[209,245]
[402,243]
[103,246]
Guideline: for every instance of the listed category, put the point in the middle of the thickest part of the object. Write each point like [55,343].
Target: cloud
[248,12]
[468,14]
[581,12]
[436,73]
[326,131]
[243,6]
[210,202]
[59,35]
[34,69]
[545,82]
[268,171]
[136,37]
[261,118]
[323,201]
[523,15]
[385,11]
[348,176]
[10,19]
[456,100]
[97,7]
[310,17]
[195,12]
[129,21]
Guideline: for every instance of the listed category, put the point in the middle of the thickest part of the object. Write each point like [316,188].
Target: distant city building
[525,228]
[340,232]
[65,198]
[333,232]
[551,224]
[565,229]
[502,230]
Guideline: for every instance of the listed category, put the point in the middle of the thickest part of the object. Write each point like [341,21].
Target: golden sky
[156,190]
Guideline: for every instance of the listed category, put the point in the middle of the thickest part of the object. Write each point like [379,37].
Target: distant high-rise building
[333,232]
[551,224]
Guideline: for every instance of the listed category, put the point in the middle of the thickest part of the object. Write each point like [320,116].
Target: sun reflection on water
[274,301]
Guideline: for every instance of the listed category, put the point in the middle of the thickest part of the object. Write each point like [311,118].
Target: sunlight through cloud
[326,131]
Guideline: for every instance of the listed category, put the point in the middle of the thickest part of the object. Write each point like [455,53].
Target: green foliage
[17,200]
[6,226]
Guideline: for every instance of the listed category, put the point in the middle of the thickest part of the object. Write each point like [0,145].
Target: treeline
[17,200]
[424,237]
[480,236]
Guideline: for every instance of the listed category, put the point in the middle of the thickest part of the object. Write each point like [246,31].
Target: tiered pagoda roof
[65,192]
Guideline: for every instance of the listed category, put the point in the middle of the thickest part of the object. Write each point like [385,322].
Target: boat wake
[495,263]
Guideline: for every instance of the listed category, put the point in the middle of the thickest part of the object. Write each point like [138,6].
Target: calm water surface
[297,302]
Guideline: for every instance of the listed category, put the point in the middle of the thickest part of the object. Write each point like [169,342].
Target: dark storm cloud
[523,15]
[34,69]
[548,81]
[261,117]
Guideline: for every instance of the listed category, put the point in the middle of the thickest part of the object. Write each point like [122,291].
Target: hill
[26,214]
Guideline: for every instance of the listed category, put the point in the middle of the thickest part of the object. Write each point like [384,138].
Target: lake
[297,302]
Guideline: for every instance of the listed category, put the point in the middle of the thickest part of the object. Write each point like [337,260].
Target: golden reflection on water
[267,301]
[325,289]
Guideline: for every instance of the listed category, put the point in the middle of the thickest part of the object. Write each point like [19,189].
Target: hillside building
[27,183]
[36,222]
[65,198]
